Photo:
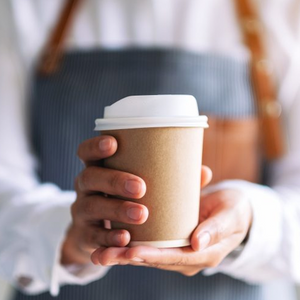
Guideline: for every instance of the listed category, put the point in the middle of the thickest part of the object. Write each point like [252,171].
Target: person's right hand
[92,206]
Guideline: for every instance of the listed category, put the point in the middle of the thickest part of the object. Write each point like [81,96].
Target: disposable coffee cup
[159,139]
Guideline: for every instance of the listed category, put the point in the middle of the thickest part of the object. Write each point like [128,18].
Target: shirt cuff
[59,220]
[264,236]
[75,274]
[72,274]
[31,257]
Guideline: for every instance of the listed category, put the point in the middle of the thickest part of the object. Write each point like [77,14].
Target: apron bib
[64,108]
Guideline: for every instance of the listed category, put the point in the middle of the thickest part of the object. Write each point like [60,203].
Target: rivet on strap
[264,65]
[270,108]
[251,25]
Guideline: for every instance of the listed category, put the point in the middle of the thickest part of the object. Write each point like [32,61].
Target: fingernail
[105,144]
[137,259]
[118,238]
[133,186]
[134,213]
[204,240]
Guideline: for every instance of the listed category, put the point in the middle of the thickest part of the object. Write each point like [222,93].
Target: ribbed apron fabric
[64,108]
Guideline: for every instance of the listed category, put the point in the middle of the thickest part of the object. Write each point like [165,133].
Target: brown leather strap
[269,109]
[52,52]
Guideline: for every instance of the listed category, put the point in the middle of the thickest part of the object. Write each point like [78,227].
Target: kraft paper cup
[159,139]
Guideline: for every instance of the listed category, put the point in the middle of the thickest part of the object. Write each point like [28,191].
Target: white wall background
[5,291]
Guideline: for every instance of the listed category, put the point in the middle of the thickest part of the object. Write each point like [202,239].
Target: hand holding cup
[92,206]
[160,139]
[226,218]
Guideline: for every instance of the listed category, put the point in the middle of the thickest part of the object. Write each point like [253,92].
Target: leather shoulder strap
[269,110]
[53,49]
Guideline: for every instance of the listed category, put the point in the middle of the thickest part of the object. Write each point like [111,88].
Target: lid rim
[151,122]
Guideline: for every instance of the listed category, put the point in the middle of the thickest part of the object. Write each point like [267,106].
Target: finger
[95,255]
[184,270]
[175,259]
[95,208]
[218,226]
[225,213]
[168,256]
[97,148]
[112,182]
[206,176]
[97,237]
[183,260]
[109,256]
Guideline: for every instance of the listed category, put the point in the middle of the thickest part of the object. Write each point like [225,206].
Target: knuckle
[103,260]
[157,266]
[220,231]
[76,214]
[85,181]
[86,148]
[183,261]
[108,238]
[115,181]
[90,240]
[120,210]
[88,207]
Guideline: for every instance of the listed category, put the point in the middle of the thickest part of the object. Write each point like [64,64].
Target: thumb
[211,231]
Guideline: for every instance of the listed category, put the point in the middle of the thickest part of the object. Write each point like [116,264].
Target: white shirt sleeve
[273,248]
[34,217]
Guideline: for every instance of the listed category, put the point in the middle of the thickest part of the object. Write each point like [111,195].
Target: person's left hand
[225,219]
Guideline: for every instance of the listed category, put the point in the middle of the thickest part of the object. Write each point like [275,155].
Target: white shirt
[34,217]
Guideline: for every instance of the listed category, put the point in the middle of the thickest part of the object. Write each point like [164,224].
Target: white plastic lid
[152,111]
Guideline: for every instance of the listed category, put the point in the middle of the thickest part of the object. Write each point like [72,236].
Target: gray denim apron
[64,108]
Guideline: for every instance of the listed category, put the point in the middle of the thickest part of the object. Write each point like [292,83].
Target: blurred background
[5,291]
